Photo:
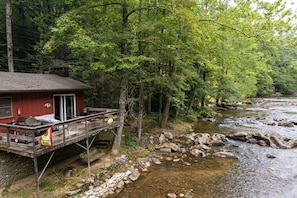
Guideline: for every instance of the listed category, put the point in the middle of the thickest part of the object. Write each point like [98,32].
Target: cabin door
[64,107]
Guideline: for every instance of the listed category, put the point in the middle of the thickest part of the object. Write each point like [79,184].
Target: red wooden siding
[33,104]
[80,105]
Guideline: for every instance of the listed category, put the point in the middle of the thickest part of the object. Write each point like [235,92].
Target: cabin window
[5,107]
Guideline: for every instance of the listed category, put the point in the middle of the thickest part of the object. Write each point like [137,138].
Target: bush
[206,112]
[191,116]
[129,140]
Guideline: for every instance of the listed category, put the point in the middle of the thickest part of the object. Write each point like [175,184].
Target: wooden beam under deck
[25,141]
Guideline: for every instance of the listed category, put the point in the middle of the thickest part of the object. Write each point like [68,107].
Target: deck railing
[25,140]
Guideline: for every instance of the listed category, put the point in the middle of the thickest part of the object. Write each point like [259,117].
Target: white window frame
[6,107]
[63,110]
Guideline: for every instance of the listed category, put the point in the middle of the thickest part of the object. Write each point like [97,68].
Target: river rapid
[253,175]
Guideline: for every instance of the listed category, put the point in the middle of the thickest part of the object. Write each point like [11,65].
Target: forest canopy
[173,57]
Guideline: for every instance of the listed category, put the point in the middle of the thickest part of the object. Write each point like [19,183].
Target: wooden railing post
[104,123]
[64,133]
[86,126]
[33,141]
[7,138]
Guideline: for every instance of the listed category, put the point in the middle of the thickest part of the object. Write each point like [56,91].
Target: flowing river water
[253,175]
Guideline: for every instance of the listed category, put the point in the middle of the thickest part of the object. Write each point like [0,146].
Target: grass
[47,186]
[129,140]
[6,189]
[143,153]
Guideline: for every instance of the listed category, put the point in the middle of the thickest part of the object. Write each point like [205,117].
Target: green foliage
[6,189]
[192,116]
[205,112]
[172,122]
[264,84]
[53,171]
[189,52]
[143,153]
[48,186]
[130,140]
[285,84]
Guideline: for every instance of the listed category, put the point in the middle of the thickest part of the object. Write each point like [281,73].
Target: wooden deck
[25,141]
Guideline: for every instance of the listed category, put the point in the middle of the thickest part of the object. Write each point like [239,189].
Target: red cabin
[49,97]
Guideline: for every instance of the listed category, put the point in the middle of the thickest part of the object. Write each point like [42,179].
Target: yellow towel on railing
[47,138]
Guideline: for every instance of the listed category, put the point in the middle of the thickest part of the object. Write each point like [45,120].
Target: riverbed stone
[270,156]
[197,153]
[224,154]
[156,161]
[168,158]
[202,138]
[134,174]
[260,142]
[243,136]
[172,146]
[171,195]
[285,123]
[190,136]
[168,135]
[162,139]
[165,150]
[217,140]
[269,123]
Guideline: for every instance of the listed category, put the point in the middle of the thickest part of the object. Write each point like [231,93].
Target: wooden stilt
[87,148]
[88,153]
[37,176]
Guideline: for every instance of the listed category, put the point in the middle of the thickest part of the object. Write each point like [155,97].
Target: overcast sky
[292,4]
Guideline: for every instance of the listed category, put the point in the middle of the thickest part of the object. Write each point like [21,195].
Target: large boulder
[265,139]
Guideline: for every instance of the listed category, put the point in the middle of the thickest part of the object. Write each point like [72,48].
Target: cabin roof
[14,82]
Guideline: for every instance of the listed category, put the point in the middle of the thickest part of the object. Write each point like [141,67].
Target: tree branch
[227,26]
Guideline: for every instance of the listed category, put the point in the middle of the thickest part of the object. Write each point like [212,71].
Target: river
[253,175]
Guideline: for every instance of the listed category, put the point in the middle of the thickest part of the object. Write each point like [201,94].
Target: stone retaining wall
[14,167]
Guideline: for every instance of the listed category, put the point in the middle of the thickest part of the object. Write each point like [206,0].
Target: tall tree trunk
[124,82]
[160,107]
[149,104]
[9,37]
[172,74]
[121,116]
[203,95]
[166,110]
[140,52]
[191,103]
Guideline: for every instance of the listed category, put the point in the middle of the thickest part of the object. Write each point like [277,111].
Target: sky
[291,2]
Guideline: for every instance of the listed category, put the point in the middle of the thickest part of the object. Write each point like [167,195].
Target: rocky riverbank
[167,146]
[174,147]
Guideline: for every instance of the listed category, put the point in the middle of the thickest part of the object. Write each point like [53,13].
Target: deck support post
[38,177]
[36,174]
[88,153]
[87,148]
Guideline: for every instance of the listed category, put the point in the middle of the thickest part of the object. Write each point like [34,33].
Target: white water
[257,175]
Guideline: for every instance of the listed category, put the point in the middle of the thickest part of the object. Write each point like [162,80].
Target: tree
[176,56]
[9,36]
